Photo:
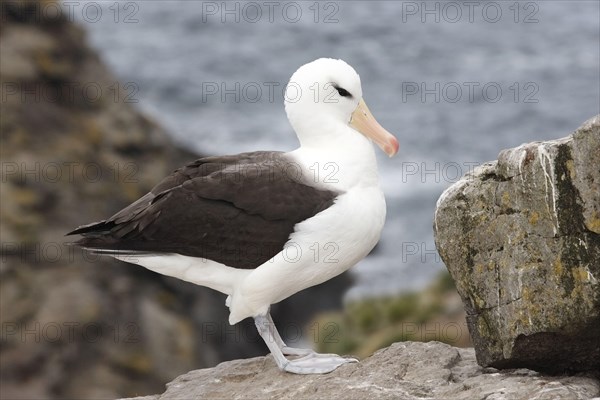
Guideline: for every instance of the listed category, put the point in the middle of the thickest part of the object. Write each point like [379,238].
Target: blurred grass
[363,327]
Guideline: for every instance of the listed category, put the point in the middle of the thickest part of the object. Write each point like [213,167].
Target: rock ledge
[403,371]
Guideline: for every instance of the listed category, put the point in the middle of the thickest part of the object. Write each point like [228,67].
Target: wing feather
[237,210]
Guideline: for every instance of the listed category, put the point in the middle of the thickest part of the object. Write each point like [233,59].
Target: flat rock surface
[403,371]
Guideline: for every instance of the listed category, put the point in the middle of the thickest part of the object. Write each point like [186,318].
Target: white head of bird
[326,96]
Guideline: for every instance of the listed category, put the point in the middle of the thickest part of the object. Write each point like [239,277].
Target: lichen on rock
[520,236]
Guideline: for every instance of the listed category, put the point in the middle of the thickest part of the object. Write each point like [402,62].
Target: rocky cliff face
[75,150]
[521,238]
[403,371]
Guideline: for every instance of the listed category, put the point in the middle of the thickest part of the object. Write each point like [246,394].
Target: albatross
[261,226]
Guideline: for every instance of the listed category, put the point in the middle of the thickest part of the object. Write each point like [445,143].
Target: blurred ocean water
[456,82]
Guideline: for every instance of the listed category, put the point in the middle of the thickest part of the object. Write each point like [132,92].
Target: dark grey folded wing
[237,210]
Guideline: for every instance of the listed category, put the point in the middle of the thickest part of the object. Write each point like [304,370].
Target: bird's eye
[342,92]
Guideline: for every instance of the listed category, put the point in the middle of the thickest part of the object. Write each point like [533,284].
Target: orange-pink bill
[363,121]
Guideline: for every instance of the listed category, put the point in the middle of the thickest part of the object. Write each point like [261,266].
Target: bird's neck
[337,157]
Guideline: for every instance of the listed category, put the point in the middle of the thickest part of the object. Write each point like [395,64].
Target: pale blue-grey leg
[313,363]
[285,349]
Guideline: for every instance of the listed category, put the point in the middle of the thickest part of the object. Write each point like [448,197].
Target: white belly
[322,247]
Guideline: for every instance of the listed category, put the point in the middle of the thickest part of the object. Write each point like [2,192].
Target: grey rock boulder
[521,238]
[403,371]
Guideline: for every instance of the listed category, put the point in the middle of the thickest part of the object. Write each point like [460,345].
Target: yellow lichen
[593,223]
[505,199]
[571,168]
[580,275]
[557,267]
[580,294]
[534,217]
[479,302]
[479,268]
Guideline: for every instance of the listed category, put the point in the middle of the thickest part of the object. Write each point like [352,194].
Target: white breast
[327,244]
[348,165]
